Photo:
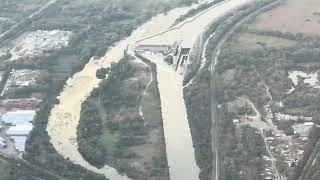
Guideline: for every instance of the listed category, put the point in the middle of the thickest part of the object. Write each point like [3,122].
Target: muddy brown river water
[64,117]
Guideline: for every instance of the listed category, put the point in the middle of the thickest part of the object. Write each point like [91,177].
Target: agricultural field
[250,41]
[268,78]
[294,16]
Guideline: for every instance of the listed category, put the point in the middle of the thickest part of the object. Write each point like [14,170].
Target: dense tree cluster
[110,96]
[240,150]
[197,94]
[96,26]
[238,71]
[111,127]
[299,170]
[197,101]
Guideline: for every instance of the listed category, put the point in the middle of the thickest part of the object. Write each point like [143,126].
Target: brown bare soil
[295,16]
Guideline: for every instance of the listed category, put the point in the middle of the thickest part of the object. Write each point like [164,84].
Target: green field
[251,41]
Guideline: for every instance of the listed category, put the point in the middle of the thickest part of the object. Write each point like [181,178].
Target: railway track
[313,157]
[214,106]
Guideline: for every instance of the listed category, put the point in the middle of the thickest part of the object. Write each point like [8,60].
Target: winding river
[64,117]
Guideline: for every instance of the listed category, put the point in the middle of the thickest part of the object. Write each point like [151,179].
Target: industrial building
[20,126]
[19,142]
[183,57]
[19,130]
[154,48]
[23,103]
[19,117]
[3,143]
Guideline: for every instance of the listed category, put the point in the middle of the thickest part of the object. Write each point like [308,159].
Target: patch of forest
[243,73]
[240,149]
[96,26]
[113,132]
[240,69]
[198,92]
[196,96]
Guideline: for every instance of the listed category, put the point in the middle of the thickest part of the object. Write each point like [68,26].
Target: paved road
[214,106]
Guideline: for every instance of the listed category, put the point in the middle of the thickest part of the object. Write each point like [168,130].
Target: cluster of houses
[16,115]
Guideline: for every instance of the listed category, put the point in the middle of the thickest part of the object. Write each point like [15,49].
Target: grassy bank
[197,101]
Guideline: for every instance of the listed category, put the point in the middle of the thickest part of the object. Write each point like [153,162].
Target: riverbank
[179,145]
[64,117]
[112,131]
[70,100]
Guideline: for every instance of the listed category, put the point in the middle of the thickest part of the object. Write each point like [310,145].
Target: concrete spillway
[64,117]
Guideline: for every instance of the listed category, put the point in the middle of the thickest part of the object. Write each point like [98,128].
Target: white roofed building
[19,117]
[19,130]
[19,142]
[153,48]
[3,143]
[20,126]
